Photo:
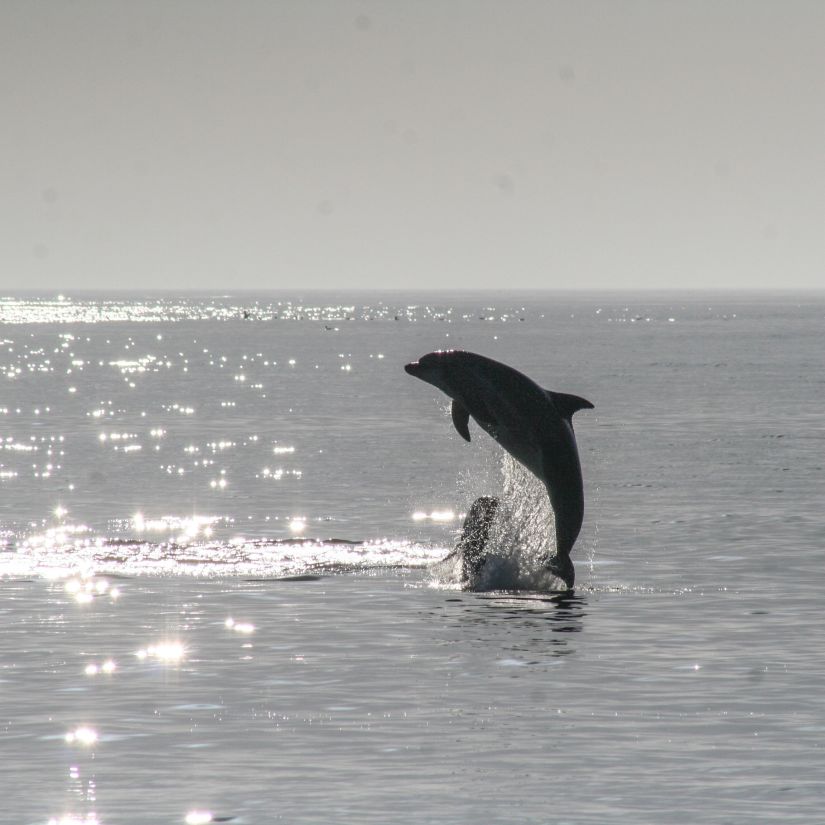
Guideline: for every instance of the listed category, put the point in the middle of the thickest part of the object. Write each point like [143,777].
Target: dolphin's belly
[524,450]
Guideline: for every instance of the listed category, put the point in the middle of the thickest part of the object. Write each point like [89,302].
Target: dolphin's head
[434,368]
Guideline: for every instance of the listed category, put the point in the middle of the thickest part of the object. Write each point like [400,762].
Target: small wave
[247,558]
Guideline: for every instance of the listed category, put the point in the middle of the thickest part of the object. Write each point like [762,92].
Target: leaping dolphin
[534,425]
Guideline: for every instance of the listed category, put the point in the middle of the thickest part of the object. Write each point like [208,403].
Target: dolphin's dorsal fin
[566,404]
[461,419]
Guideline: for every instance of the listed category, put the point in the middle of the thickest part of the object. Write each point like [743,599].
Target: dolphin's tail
[561,566]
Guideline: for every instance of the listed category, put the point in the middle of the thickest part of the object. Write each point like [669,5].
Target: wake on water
[58,553]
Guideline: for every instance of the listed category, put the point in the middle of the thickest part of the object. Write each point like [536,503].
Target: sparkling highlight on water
[166,652]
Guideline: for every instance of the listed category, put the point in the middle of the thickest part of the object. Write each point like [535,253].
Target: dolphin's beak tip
[411,367]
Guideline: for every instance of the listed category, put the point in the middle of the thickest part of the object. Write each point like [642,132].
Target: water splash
[522,534]
[527,526]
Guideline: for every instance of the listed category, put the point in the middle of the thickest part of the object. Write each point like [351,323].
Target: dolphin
[474,535]
[534,425]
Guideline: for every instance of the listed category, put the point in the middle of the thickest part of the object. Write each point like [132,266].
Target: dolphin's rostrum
[534,425]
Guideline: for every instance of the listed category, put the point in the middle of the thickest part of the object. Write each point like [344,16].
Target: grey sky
[412,144]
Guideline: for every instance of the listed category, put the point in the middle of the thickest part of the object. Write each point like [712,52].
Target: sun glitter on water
[167,652]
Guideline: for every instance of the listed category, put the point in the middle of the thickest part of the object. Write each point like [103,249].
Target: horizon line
[57,291]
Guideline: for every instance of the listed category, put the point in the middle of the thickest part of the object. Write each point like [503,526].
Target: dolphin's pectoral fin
[568,404]
[461,419]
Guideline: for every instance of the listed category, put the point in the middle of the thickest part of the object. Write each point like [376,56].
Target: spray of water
[522,534]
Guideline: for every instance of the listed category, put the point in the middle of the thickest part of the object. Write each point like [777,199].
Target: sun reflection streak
[171,652]
[298,524]
[54,538]
[239,627]
[75,819]
[198,817]
[83,735]
[435,515]
[190,527]
[84,590]
[108,667]
[75,564]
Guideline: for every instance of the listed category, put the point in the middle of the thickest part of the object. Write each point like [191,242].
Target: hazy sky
[412,143]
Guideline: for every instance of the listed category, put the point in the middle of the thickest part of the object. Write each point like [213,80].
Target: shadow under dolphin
[534,425]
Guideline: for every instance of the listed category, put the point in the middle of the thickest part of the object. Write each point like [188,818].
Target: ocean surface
[220,526]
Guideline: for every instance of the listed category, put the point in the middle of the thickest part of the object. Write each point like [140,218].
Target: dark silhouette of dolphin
[534,425]
[475,532]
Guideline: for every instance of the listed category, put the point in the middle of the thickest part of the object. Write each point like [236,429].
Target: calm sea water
[220,515]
